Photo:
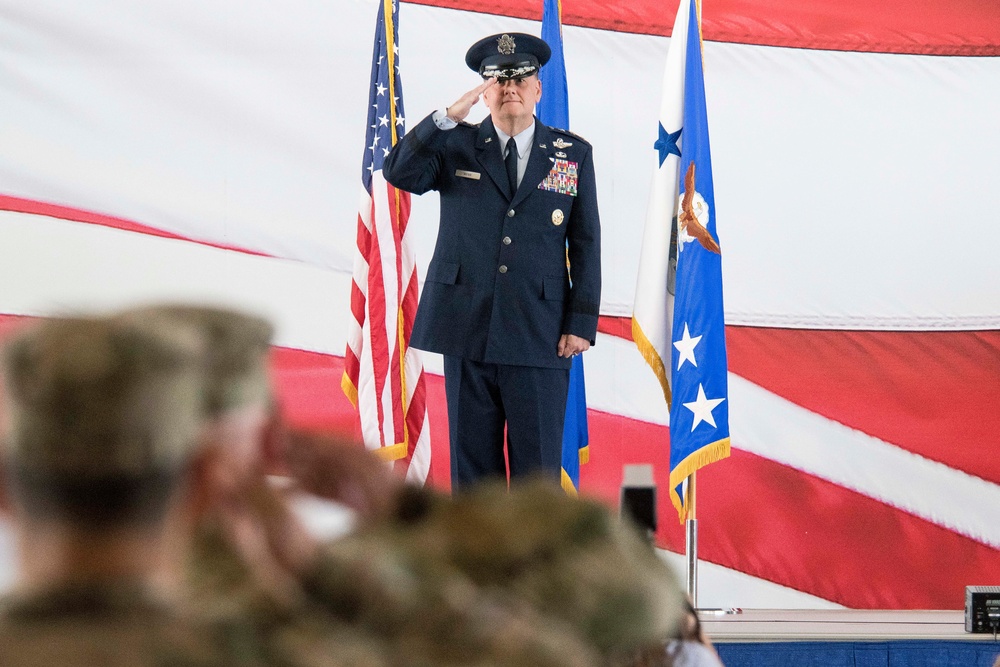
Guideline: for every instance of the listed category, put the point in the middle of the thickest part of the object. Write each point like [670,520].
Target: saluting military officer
[518,199]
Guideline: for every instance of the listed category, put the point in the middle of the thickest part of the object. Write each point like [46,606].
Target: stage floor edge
[783,625]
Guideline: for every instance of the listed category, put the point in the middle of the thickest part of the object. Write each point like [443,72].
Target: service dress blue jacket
[498,287]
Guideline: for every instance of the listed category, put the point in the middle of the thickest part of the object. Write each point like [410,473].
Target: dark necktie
[511,163]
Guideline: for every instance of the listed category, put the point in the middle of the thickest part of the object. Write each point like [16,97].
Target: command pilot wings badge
[561,143]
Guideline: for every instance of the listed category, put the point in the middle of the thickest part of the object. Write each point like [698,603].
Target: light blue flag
[699,411]
[553,110]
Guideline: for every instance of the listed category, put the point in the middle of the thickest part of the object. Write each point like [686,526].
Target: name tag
[461,173]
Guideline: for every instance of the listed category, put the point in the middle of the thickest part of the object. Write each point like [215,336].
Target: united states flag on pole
[678,321]
[383,377]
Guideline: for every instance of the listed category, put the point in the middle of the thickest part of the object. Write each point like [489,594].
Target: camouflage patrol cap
[236,355]
[98,399]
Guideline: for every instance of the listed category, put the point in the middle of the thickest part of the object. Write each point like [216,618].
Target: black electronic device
[982,609]
[638,500]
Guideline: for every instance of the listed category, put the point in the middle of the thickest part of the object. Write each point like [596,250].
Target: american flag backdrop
[208,151]
[383,377]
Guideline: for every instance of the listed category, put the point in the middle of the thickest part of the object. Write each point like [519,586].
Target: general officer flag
[678,320]
[553,110]
[383,377]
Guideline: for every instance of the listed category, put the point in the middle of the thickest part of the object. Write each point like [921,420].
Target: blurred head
[102,419]
[238,402]
[237,346]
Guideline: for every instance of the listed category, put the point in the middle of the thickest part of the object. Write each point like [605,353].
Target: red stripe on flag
[780,524]
[352,367]
[416,411]
[364,238]
[410,305]
[404,209]
[846,547]
[960,27]
[71,214]
[415,414]
[358,303]
[377,335]
[619,327]
[932,393]
[396,345]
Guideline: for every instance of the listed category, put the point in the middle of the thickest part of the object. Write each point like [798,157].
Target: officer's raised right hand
[460,109]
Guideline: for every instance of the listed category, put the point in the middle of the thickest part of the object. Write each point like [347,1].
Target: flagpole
[692,518]
[691,547]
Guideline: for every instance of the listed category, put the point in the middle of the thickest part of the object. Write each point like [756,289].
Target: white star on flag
[380,89]
[686,347]
[702,408]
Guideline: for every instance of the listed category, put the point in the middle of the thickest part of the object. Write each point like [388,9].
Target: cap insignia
[505,44]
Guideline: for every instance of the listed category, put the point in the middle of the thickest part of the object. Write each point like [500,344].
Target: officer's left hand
[570,345]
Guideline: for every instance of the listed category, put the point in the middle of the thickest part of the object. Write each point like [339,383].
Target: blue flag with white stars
[678,319]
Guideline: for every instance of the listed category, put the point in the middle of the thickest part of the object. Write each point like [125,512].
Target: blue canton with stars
[385,109]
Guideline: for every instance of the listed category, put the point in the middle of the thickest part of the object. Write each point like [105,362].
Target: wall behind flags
[211,151]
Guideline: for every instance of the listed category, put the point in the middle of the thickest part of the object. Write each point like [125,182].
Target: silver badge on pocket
[557,217]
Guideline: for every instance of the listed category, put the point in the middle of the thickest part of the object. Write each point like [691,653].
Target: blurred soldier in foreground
[247,554]
[225,565]
[534,551]
[100,427]
[534,578]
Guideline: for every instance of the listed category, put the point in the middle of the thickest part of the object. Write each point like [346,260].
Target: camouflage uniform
[114,624]
[101,421]
[576,585]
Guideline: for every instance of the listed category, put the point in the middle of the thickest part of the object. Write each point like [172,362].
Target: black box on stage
[982,609]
